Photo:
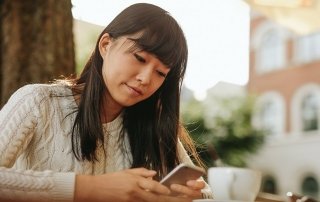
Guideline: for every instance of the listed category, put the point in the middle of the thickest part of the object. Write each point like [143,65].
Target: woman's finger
[183,190]
[153,186]
[195,184]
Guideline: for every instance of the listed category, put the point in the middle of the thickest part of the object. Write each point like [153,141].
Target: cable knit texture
[36,159]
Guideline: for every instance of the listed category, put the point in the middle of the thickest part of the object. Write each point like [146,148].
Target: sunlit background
[254,68]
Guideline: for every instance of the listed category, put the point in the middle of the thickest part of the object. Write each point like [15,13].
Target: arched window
[309,111]
[272,52]
[267,113]
[305,108]
[310,187]
[270,113]
[269,185]
[307,48]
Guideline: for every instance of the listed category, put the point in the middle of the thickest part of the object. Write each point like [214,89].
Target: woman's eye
[162,74]
[139,58]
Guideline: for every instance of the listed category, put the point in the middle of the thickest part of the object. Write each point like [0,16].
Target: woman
[112,133]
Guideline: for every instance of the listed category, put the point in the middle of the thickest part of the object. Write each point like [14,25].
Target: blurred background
[262,111]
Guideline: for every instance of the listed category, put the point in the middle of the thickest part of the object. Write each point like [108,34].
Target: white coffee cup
[230,183]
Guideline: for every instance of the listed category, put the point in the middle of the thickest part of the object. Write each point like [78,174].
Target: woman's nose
[145,75]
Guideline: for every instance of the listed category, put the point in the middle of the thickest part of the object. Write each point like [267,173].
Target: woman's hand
[127,185]
[192,190]
[184,193]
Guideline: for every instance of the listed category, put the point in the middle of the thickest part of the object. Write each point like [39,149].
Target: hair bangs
[166,43]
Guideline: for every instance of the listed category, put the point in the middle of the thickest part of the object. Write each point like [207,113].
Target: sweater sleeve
[28,185]
[18,120]
[185,158]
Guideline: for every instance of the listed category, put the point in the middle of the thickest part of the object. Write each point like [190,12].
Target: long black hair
[152,125]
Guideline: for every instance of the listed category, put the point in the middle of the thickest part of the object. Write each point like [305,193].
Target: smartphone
[183,173]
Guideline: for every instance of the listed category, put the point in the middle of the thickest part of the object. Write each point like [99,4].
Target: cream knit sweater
[36,159]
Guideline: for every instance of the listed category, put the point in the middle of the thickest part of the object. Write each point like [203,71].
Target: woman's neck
[110,109]
[108,114]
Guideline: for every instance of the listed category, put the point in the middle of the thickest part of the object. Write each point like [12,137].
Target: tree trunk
[36,43]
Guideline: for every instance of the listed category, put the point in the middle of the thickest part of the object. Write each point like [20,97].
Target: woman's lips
[135,89]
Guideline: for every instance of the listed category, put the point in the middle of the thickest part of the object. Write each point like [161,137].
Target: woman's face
[130,76]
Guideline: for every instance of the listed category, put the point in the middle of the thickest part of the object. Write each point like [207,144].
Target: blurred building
[285,75]
[222,90]
[186,94]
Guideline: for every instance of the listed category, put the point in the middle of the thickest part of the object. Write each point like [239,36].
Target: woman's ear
[104,44]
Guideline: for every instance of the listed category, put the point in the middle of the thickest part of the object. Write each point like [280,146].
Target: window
[307,48]
[267,117]
[310,187]
[309,114]
[269,185]
[305,108]
[269,113]
[272,52]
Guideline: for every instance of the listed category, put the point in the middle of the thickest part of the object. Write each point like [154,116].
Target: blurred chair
[266,197]
[293,197]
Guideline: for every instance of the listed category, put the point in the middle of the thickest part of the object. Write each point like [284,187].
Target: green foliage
[229,135]
[192,115]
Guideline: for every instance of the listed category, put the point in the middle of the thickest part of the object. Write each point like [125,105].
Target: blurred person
[112,133]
